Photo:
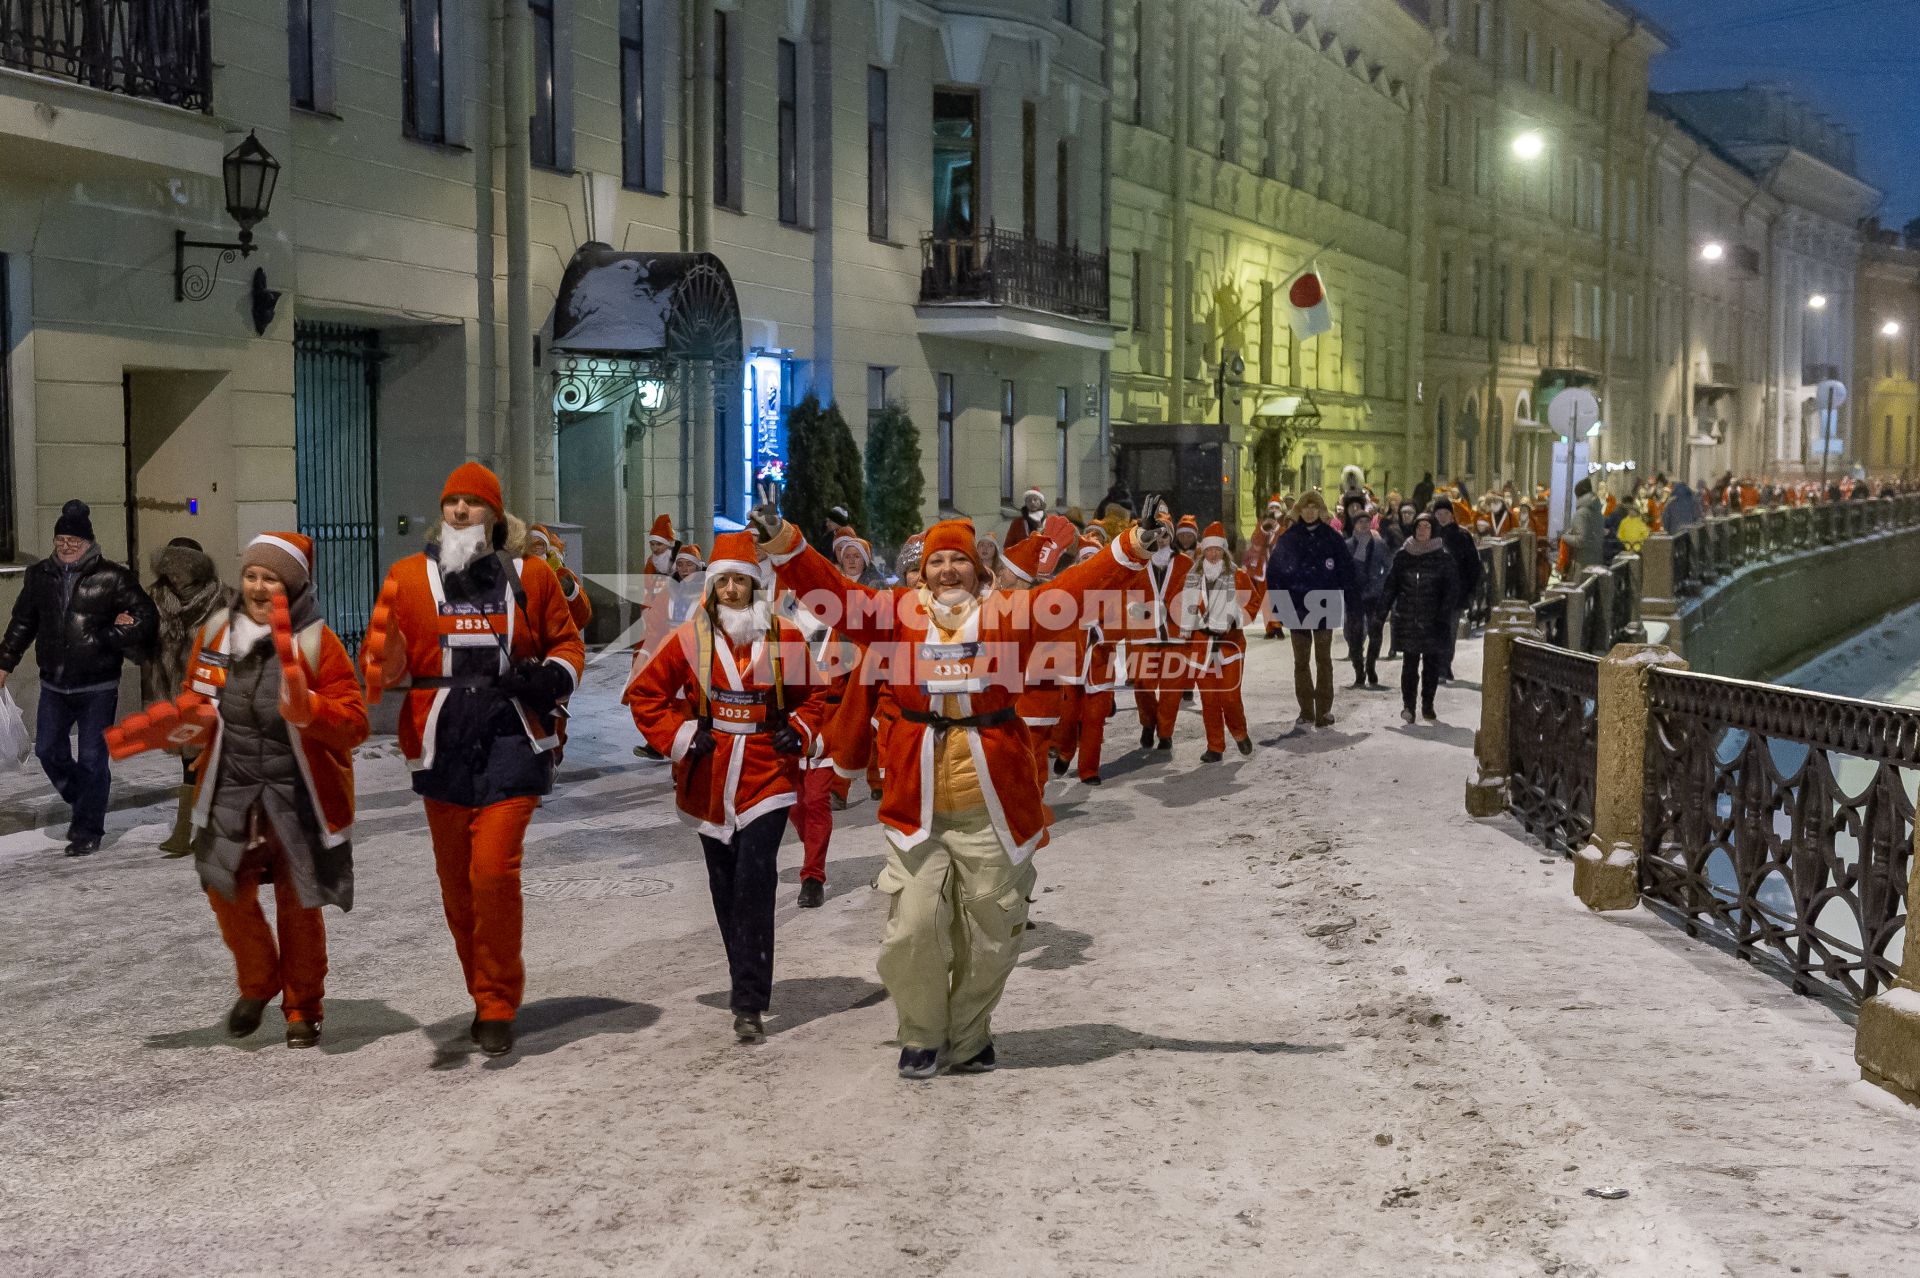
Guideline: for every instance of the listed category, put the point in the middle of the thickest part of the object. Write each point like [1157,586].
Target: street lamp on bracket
[249,173]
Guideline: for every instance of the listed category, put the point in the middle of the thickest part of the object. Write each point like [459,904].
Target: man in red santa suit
[1053,661]
[1088,703]
[492,655]
[962,808]
[733,698]
[1154,658]
[1219,601]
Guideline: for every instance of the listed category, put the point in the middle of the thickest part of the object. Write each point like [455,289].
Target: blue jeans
[85,783]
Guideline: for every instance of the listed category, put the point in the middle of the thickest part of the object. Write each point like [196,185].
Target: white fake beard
[459,547]
[952,612]
[744,625]
[247,632]
[1211,571]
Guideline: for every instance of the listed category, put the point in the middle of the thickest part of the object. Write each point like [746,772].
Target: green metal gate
[336,382]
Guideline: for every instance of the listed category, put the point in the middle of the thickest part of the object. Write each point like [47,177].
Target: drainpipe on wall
[1643,334]
[1609,187]
[820,366]
[516,34]
[1416,318]
[1181,300]
[1686,317]
[1104,444]
[697,413]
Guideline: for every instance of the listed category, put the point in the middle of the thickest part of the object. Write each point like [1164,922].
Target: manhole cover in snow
[592,889]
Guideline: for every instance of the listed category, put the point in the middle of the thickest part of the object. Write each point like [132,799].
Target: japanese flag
[1307,310]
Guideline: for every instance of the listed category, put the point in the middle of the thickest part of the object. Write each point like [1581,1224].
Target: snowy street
[1294,1014]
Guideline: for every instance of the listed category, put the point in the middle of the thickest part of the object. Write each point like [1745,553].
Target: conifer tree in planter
[894,483]
[811,481]
[849,487]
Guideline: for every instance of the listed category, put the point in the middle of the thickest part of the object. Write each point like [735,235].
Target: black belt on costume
[456,681]
[940,722]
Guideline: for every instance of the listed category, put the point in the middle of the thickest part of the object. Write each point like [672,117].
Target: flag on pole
[1309,315]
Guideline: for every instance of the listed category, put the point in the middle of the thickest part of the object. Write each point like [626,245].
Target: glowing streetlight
[1712,251]
[1890,329]
[1818,302]
[1529,145]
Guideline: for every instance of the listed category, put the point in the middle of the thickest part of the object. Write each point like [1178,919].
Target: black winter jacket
[1420,592]
[1310,559]
[68,621]
[1465,553]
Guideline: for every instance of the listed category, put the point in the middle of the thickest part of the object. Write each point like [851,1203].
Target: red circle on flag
[1306,292]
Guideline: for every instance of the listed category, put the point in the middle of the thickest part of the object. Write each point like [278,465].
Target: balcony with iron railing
[1574,354]
[1008,289]
[157,50]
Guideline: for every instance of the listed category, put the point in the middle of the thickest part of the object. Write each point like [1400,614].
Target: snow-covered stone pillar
[1606,872]
[1887,1037]
[1487,792]
[1659,592]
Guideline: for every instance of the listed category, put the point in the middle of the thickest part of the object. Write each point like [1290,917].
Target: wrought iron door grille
[153,49]
[336,373]
[1782,820]
[1553,747]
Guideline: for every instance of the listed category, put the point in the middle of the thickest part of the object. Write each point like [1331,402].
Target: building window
[1062,426]
[1478,297]
[310,54]
[877,153]
[1063,12]
[1443,285]
[641,133]
[1482,158]
[788,70]
[1139,267]
[9,520]
[1526,306]
[1029,195]
[1140,62]
[551,127]
[1007,423]
[956,158]
[1223,107]
[1504,300]
[1555,77]
[423,66]
[876,392]
[1530,60]
[1062,185]
[726,127]
[944,443]
[1446,144]
[1483,30]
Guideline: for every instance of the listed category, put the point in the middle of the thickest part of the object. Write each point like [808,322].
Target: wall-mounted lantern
[249,172]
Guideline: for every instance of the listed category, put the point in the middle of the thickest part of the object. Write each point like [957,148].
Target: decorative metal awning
[1293,404]
[627,326]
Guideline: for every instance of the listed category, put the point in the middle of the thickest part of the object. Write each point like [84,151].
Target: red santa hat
[1023,559]
[1275,506]
[287,555]
[1188,524]
[1090,544]
[847,538]
[471,479]
[691,553]
[662,531]
[953,534]
[1033,492]
[1215,536]
[737,552]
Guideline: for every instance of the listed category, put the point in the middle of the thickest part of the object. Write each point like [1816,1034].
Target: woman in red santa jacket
[732,697]
[1088,704]
[272,695]
[492,655]
[1154,646]
[962,808]
[1220,600]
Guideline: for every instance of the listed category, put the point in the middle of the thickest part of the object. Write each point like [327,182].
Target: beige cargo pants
[954,927]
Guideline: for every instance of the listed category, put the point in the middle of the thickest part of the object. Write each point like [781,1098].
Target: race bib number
[468,625]
[945,669]
[737,712]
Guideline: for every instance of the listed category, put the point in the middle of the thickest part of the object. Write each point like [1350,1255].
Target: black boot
[812,894]
[1359,676]
[243,1018]
[981,1062]
[494,1037]
[1146,737]
[919,1062]
[1245,744]
[1165,743]
[303,1033]
[1210,756]
[1373,677]
[747,1027]
[1060,766]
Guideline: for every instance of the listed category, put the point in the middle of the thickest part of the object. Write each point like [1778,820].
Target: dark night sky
[1856,60]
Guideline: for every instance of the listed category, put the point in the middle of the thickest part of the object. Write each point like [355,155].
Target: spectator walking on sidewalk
[83,615]
[1366,619]
[1307,580]
[1459,545]
[1420,591]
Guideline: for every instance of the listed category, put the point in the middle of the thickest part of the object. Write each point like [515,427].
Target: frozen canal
[1289,1015]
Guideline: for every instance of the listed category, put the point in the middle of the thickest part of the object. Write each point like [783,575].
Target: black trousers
[743,872]
[1363,630]
[1453,637]
[1419,672]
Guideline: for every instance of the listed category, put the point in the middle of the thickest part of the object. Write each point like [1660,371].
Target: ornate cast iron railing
[154,49]
[1782,820]
[1550,619]
[1480,607]
[1553,742]
[1014,270]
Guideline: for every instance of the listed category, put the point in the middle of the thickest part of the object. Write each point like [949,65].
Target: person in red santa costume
[1220,600]
[1054,659]
[733,697]
[546,544]
[1154,658]
[962,808]
[272,699]
[1088,703]
[491,655]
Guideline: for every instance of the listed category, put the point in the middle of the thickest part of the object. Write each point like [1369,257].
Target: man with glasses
[83,615]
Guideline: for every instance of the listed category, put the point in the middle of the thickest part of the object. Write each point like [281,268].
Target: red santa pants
[1219,682]
[477,853]
[1158,707]
[813,820]
[295,969]
[1083,729]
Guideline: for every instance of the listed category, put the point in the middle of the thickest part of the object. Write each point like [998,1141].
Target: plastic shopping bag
[15,745]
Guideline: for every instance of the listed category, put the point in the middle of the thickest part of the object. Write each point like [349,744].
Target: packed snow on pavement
[1293,1014]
